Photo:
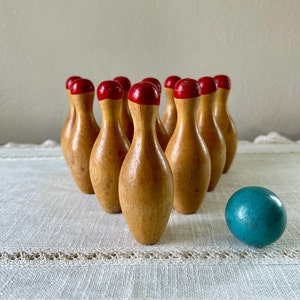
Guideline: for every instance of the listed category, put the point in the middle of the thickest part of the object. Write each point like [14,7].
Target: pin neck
[207,102]
[187,109]
[170,107]
[124,105]
[84,111]
[72,106]
[187,116]
[222,96]
[110,115]
[144,121]
[221,101]
[83,103]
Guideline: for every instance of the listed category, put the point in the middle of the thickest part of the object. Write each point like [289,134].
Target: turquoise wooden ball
[255,216]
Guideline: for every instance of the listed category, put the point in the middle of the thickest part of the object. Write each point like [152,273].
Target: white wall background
[42,42]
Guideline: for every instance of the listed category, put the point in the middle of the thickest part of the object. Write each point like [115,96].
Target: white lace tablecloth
[56,242]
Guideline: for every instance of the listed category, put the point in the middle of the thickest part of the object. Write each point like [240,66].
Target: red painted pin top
[187,88]
[82,86]
[144,93]
[153,81]
[70,81]
[124,82]
[171,81]
[223,82]
[109,89]
[208,85]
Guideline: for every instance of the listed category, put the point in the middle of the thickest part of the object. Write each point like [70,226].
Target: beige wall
[257,43]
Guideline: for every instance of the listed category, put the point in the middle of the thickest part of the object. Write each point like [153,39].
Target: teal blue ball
[255,216]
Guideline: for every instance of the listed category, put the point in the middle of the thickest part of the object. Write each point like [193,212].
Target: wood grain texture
[68,126]
[83,136]
[125,117]
[189,159]
[162,136]
[108,153]
[212,137]
[170,117]
[145,183]
[226,125]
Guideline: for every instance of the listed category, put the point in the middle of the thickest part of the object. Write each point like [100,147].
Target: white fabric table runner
[56,242]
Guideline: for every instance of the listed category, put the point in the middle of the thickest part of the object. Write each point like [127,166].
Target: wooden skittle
[186,152]
[210,131]
[145,182]
[162,135]
[125,116]
[83,135]
[224,120]
[109,149]
[170,117]
[70,120]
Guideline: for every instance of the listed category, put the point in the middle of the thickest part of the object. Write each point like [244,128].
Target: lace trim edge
[129,255]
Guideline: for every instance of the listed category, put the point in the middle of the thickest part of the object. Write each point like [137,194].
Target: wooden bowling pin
[109,149]
[145,182]
[70,120]
[210,131]
[162,135]
[125,117]
[224,120]
[186,152]
[84,133]
[170,117]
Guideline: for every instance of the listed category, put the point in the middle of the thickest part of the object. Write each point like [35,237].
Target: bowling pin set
[139,164]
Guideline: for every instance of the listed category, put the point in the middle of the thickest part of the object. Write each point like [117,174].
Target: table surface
[56,242]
